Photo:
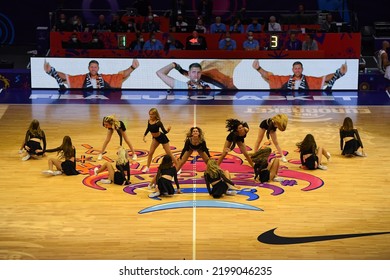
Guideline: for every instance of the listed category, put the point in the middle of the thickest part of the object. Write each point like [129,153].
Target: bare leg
[320,152]
[224,152]
[169,152]
[55,162]
[204,156]
[106,141]
[153,147]
[260,137]
[273,168]
[127,140]
[227,174]
[277,146]
[245,152]
[184,159]
[325,153]
[111,172]
[102,168]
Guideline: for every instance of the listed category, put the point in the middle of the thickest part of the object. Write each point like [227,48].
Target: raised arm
[59,76]
[163,74]
[264,73]
[338,73]
[126,73]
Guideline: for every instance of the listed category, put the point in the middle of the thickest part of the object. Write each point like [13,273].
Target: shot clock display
[274,41]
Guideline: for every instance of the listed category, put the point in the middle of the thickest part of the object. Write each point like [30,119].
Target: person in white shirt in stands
[310,44]
[200,27]
[273,25]
[180,22]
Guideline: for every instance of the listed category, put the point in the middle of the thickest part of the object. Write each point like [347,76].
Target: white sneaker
[359,154]
[48,172]
[105,181]
[26,157]
[155,194]
[328,156]
[134,157]
[322,167]
[230,192]
[100,156]
[95,171]
[278,179]
[57,172]
[21,151]
[145,169]
[283,159]
[151,186]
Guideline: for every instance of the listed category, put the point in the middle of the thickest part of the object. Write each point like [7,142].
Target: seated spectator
[150,25]
[200,27]
[237,27]
[153,44]
[95,43]
[62,24]
[138,43]
[254,26]
[73,43]
[173,44]
[327,24]
[217,26]
[132,26]
[101,25]
[383,59]
[227,43]
[180,22]
[310,44]
[293,43]
[273,25]
[77,24]
[250,44]
[116,24]
[196,42]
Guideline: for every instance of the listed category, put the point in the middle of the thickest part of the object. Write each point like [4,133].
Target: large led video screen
[233,74]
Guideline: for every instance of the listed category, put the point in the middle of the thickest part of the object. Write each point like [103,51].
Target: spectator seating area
[331,45]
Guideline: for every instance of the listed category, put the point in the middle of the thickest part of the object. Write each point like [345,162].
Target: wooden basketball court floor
[341,213]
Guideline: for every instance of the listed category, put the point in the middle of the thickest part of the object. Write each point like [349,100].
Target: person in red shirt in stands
[196,42]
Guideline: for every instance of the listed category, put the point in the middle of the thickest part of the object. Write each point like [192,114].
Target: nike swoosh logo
[269,237]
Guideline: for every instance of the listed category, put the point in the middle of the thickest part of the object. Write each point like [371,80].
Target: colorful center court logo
[193,188]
